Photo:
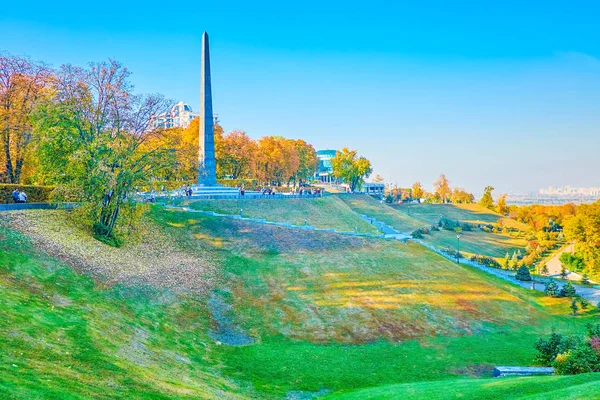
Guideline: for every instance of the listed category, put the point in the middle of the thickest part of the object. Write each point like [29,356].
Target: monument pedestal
[219,192]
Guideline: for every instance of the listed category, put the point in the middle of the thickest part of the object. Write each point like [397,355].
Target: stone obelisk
[207,168]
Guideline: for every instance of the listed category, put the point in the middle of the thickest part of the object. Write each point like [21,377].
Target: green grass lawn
[472,213]
[327,212]
[64,336]
[328,313]
[474,242]
[342,313]
[586,386]
[364,204]
[477,242]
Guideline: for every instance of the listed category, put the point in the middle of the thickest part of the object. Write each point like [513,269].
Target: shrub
[574,306]
[568,290]
[448,224]
[523,274]
[584,303]
[417,234]
[551,347]
[573,261]
[593,330]
[485,260]
[595,344]
[434,228]
[453,253]
[552,289]
[585,280]
[101,232]
[467,227]
[581,360]
[35,194]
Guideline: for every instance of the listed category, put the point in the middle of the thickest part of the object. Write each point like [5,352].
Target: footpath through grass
[327,212]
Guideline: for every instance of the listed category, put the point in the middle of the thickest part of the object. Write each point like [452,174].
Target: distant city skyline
[503,94]
[570,190]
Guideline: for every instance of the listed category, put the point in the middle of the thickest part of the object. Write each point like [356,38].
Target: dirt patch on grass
[474,370]
[259,237]
[156,259]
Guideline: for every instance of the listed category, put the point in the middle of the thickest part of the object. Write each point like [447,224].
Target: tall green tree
[96,143]
[442,188]
[350,168]
[487,200]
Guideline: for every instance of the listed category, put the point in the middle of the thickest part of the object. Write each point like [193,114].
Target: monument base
[218,191]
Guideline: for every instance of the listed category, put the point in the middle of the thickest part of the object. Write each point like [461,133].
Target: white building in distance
[179,116]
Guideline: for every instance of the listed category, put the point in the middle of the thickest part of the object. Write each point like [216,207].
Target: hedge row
[35,194]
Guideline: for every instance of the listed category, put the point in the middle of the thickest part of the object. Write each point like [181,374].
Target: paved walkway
[555,266]
[387,230]
[35,206]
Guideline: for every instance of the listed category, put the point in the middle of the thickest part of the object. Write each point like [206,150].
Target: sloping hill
[407,218]
[364,204]
[65,336]
[472,213]
[331,312]
[324,312]
[322,212]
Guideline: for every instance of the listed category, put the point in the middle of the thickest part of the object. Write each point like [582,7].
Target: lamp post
[458,249]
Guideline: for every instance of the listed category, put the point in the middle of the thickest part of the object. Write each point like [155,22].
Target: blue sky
[501,93]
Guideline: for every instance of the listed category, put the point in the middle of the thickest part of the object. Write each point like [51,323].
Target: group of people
[19,196]
[269,191]
[308,192]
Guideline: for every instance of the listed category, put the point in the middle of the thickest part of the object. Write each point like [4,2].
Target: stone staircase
[387,230]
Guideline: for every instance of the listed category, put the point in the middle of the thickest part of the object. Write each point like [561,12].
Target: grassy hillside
[472,213]
[585,386]
[338,313]
[477,242]
[367,205]
[324,212]
[325,313]
[65,336]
